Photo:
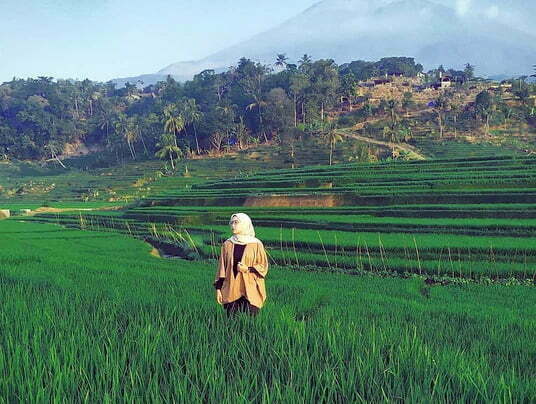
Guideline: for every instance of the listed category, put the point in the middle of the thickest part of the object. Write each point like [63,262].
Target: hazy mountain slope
[498,38]
[515,13]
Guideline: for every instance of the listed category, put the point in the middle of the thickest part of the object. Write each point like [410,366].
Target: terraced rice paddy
[449,148]
[24,182]
[98,319]
[461,219]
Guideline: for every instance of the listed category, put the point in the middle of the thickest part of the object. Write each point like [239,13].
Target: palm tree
[405,133]
[305,60]
[259,103]
[227,119]
[126,128]
[173,121]
[192,115]
[131,135]
[106,119]
[332,137]
[391,106]
[242,134]
[281,60]
[299,83]
[253,86]
[387,132]
[441,106]
[407,102]
[485,105]
[456,108]
[93,99]
[167,148]
[137,124]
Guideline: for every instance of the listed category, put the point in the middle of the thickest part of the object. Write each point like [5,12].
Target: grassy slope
[100,319]
[456,221]
[26,182]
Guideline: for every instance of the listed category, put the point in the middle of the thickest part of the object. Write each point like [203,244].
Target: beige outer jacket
[251,285]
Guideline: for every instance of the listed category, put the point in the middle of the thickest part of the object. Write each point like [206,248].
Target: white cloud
[463,6]
[492,12]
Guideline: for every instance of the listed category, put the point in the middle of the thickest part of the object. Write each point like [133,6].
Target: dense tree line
[249,103]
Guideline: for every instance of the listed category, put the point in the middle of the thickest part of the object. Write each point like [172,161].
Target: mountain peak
[435,32]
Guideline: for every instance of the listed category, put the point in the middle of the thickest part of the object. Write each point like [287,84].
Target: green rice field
[389,282]
[462,219]
[101,320]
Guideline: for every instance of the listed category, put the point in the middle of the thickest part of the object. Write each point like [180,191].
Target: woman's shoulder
[228,243]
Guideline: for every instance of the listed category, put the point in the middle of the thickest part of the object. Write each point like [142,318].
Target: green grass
[436,254]
[470,218]
[437,148]
[100,320]
[31,182]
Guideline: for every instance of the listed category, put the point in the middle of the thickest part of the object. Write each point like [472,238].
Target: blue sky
[105,39]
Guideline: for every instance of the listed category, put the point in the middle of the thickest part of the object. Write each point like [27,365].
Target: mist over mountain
[498,37]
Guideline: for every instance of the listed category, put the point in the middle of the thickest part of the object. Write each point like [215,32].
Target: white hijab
[246,232]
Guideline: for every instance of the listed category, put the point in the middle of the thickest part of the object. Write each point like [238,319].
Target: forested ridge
[249,103]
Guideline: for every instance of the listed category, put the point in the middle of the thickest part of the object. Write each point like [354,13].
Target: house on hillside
[382,82]
[446,81]
[495,88]
[442,83]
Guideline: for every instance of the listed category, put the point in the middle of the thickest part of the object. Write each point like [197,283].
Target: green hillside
[456,219]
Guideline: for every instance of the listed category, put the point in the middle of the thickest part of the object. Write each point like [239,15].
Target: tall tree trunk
[171,159]
[295,112]
[143,143]
[131,150]
[196,140]
[55,156]
[330,152]
[260,122]
[322,111]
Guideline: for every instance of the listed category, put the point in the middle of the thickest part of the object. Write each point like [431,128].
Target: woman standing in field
[242,268]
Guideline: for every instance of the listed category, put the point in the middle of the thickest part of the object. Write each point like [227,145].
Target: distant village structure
[424,88]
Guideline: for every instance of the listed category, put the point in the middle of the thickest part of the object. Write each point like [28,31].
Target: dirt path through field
[407,148]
